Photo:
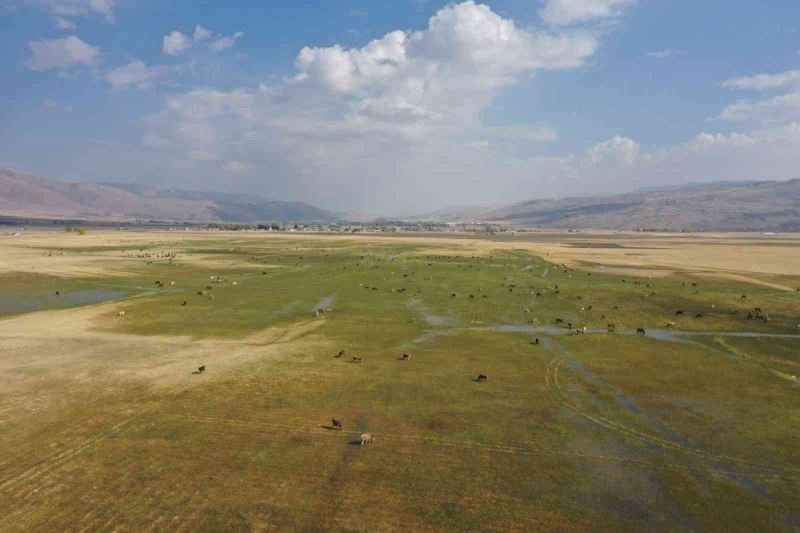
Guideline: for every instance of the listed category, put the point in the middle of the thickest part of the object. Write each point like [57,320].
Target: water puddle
[325,303]
[12,303]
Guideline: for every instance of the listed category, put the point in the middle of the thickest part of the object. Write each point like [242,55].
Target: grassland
[105,427]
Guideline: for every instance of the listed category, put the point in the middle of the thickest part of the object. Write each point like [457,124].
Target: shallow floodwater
[12,303]
[325,302]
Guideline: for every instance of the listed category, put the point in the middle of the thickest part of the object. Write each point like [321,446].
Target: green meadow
[583,423]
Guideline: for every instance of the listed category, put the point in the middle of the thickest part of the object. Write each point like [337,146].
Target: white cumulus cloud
[763,82]
[134,73]
[61,53]
[176,43]
[404,108]
[223,43]
[201,34]
[75,8]
[565,12]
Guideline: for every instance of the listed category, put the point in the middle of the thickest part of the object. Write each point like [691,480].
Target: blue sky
[451,103]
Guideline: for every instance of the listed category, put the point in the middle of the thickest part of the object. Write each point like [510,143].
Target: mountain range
[24,195]
[718,206]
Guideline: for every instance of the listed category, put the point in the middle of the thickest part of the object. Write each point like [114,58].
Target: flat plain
[583,423]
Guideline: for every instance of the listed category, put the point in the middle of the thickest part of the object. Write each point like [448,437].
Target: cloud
[50,104]
[223,43]
[404,108]
[134,73]
[235,167]
[64,24]
[103,7]
[176,43]
[617,152]
[61,53]
[777,110]
[531,133]
[663,54]
[566,12]
[763,82]
[201,34]
[76,8]
[780,109]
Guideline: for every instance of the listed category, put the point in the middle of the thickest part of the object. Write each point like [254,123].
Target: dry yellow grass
[746,257]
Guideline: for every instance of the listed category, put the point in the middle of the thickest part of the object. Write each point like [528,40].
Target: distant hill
[728,206]
[24,195]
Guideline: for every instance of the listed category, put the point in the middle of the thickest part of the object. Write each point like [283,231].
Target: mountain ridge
[27,195]
[712,206]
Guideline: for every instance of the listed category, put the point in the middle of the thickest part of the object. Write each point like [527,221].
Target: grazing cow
[201,369]
[171,283]
[679,312]
[185,303]
[699,315]
[121,313]
[367,438]
[611,327]
[482,377]
[340,354]
[337,424]
[641,331]
[559,321]
[670,324]
[356,359]
[412,319]
[406,356]
[744,297]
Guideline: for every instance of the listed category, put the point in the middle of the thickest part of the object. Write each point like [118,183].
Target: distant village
[375,227]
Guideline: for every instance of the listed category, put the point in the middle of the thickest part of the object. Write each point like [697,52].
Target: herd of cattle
[367,438]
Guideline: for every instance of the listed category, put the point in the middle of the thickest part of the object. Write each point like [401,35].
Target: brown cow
[337,424]
[482,377]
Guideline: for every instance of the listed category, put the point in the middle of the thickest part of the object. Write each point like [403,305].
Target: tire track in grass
[518,448]
[551,378]
[78,446]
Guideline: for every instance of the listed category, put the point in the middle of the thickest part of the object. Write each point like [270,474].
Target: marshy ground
[104,426]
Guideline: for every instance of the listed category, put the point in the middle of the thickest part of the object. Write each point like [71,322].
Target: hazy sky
[401,106]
